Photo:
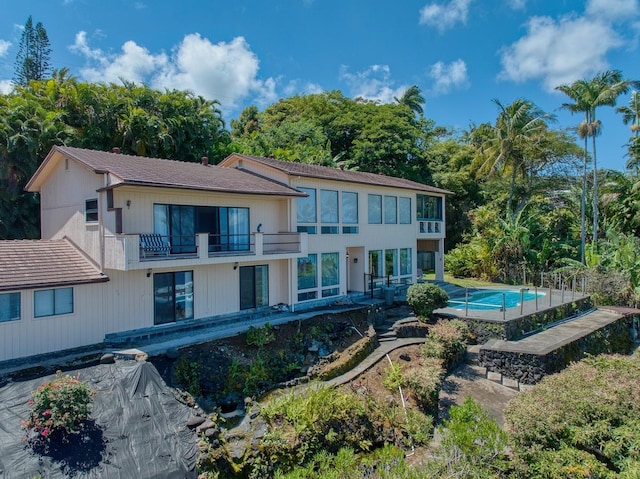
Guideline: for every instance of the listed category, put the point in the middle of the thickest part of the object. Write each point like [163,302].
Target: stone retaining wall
[516,328]
[530,368]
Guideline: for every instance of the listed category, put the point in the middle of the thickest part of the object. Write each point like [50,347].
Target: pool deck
[551,299]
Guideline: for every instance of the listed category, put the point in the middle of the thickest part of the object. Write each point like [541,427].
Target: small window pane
[375,262]
[43,303]
[390,210]
[329,206]
[375,209]
[404,207]
[91,210]
[391,262]
[63,301]
[350,208]
[307,206]
[9,307]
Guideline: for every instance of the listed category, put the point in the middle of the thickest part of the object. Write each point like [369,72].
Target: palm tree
[516,125]
[602,90]
[631,114]
[413,98]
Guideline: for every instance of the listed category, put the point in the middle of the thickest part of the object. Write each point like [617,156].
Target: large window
[428,207]
[390,210]
[405,261]
[329,206]
[307,206]
[350,208]
[254,286]
[173,296]
[307,277]
[375,209]
[51,302]
[227,227]
[9,307]
[91,210]
[177,226]
[404,207]
[330,274]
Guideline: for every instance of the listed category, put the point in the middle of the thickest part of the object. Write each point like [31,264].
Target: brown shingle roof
[26,264]
[327,173]
[140,170]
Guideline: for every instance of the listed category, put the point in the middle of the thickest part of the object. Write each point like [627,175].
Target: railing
[275,243]
[231,243]
[431,226]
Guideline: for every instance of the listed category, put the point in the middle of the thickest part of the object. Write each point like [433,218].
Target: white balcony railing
[131,251]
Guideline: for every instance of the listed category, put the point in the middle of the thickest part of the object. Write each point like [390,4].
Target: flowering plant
[61,404]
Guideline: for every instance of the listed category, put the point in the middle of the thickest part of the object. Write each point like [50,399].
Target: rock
[195,421]
[208,424]
[107,359]
[173,353]
[405,357]
[211,432]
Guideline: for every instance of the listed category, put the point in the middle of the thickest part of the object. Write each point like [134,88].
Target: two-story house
[132,242]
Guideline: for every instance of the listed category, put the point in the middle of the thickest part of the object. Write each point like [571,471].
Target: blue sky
[461,53]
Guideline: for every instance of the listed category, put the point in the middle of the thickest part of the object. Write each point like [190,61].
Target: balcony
[431,228]
[139,251]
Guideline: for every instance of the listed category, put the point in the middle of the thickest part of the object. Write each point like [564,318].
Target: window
[330,274]
[91,210]
[375,209]
[428,207]
[51,302]
[375,262]
[391,262]
[307,206]
[254,286]
[173,296]
[329,230]
[404,206]
[9,307]
[307,277]
[390,210]
[350,208]
[177,226]
[328,206]
[405,261]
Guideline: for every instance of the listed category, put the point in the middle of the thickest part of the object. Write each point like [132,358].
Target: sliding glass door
[254,286]
[173,296]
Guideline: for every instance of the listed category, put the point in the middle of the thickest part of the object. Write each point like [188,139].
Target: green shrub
[591,406]
[60,405]
[187,374]
[393,379]
[257,336]
[446,341]
[425,384]
[424,298]
[472,445]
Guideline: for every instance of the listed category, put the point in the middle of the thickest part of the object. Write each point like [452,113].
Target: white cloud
[6,86]
[372,84]
[448,77]
[442,16]
[226,72]
[517,4]
[4,47]
[558,52]
[612,9]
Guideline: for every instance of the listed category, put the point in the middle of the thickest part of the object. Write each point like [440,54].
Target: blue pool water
[492,299]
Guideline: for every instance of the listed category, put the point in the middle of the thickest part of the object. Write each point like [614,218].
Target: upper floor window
[390,210]
[9,307]
[307,209]
[91,210]
[349,208]
[329,206]
[404,210]
[428,207]
[375,209]
[51,302]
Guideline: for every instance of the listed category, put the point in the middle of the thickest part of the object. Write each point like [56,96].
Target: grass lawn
[463,282]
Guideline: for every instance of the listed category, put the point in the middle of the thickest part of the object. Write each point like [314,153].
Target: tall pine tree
[32,60]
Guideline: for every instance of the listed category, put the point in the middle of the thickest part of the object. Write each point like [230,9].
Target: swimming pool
[492,299]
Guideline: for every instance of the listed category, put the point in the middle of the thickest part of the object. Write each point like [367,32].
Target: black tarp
[137,430]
